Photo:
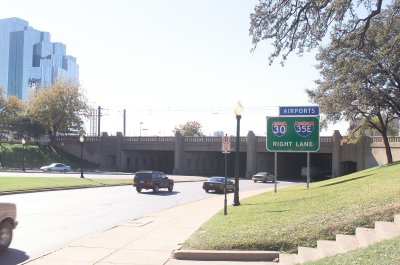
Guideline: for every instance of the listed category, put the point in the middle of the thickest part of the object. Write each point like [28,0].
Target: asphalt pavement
[152,239]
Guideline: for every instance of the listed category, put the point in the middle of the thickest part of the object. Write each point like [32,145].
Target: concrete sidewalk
[148,240]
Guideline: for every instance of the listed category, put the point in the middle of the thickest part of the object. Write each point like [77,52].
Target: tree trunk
[387,148]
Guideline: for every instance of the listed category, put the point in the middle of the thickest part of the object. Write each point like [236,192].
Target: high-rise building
[28,60]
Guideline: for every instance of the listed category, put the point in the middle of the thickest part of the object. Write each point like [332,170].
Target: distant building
[28,60]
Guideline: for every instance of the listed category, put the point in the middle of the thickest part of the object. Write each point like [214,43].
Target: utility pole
[124,122]
[98,120]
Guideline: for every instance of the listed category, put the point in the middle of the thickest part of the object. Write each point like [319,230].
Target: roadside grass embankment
[14,155]
[297,216]
[19,184]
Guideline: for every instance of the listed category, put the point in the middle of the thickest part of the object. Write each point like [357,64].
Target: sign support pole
[225,201]
[308,169]
[226,149]
[275,170]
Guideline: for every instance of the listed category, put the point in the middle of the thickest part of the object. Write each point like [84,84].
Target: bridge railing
[211,139]
[379,139]
[73,139]
[322,139]
[325,139]
[149,139]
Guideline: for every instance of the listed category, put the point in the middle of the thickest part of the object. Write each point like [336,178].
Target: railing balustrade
[391,139]
[200,140]
[148,139]
[325,139]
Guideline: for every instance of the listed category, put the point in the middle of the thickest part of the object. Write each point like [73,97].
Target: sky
[170,62]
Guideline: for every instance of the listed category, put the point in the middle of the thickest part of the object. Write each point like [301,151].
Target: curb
[225,255]
[57,189]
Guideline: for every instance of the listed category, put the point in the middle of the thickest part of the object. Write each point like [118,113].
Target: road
[49,220]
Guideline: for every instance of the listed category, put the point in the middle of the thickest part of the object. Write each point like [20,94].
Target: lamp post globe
[238,112]
[81,140]
[238,109]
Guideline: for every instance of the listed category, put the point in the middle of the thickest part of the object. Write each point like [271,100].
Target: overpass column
[336,138]
[102,160]
[251,154]
[120,154]
[178,154]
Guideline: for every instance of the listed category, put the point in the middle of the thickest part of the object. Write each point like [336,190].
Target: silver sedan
[57,167]
[263,176]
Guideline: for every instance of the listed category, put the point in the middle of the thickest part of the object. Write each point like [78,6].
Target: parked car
[263,176]
[154,180]
[217,184]
[58,167]
[8,221]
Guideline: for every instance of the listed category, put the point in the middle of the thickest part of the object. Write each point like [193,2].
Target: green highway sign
[293,134]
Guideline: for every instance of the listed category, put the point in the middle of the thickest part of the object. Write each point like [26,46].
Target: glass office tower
[28,60]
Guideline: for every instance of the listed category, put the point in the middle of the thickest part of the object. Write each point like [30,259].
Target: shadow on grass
[347,180]
[296,199]
[275,211]
[261,212]
[99,183]
[391,164]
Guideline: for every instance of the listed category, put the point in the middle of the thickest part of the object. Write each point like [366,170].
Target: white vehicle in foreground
[8,215]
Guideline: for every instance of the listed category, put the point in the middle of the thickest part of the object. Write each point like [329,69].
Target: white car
[57,167]
[8,214]
[263,177]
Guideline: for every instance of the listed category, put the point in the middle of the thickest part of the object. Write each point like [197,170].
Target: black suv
[154,180]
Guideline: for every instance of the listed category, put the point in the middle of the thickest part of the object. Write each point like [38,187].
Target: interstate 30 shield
[279,128]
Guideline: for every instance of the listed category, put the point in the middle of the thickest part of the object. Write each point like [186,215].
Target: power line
[206,109]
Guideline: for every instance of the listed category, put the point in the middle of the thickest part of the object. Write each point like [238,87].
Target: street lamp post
[238,112]
[81,140]
[23,154]
[140,128]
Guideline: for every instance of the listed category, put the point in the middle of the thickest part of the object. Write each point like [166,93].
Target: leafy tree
[302,24]
[367,121]
[392,128]
[362,83]
[10,109]
[218,134]
[59,107]
[23,125]
[190,128]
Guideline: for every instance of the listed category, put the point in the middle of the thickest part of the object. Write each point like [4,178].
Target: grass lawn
[30,183]
[34,156]
[298,216]
[386,252]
